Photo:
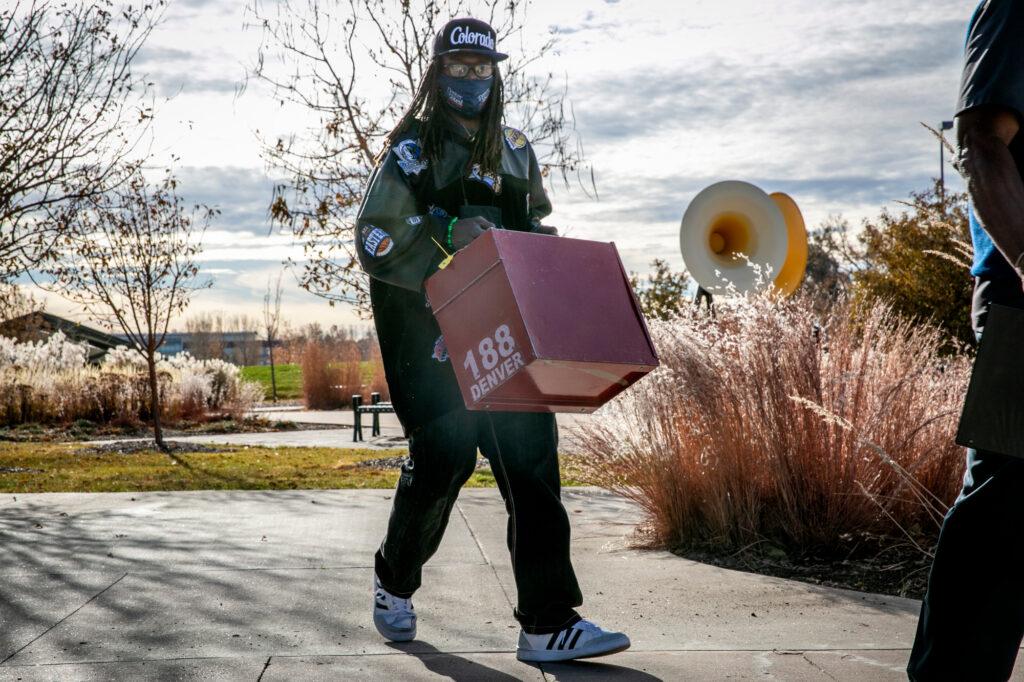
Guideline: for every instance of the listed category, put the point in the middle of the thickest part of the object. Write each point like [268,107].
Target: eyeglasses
[480,71]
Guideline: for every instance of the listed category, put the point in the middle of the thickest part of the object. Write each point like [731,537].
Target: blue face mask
[465,96]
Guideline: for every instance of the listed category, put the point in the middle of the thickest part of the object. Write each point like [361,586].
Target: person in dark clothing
[449,171]
[972,617]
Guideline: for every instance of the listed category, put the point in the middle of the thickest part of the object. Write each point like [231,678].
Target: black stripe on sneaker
[565,638]
[551,642]
[575,638]
[381,605]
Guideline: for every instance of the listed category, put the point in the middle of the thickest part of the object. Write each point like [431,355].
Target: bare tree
[272,326]
[232,338]
[246,339]
[72,112]
[132,262]
[330,59]
[205,340]
[16,302]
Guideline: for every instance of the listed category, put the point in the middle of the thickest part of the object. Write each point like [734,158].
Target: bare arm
[997,190]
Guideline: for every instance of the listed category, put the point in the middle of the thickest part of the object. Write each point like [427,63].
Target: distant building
[39,326]
[240,348]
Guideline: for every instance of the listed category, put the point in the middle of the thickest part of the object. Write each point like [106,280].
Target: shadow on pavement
[590,670]
[54,563]
[450,665]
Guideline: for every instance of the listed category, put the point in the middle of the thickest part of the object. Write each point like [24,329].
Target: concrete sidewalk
[276,586]
[391,433]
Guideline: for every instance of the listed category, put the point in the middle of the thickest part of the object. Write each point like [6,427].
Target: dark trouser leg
[972,618]
[523,450]
[442,457]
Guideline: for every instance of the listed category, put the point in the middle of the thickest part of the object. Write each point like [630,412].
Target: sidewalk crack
[52,627]
[264,671]
[803,655]
[487,559]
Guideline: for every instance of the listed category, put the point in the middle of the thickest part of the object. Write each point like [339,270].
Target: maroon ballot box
[536,323]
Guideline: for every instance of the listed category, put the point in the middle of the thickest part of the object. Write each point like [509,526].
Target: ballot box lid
[576,300]
[993,414]
[573,295]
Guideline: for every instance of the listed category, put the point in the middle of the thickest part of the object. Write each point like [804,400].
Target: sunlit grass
[287,377]
[71,467]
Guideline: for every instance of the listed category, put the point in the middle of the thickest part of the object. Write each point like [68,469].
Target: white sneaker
[582,639]
[393,616]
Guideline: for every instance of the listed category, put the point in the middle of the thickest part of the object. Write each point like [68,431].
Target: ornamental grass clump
[329,379]
[52,382]
[767,425]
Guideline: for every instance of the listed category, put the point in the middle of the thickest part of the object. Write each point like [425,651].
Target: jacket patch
[492,180]
[377,242]
[515,139]
[438,212]
[440,350]
[414,220]
[410,157]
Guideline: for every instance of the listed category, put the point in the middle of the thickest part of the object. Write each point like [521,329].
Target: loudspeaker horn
[732,225]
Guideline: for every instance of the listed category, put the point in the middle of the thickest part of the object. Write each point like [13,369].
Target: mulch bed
[146,446]
[396,463]
[35,433]
[899,570]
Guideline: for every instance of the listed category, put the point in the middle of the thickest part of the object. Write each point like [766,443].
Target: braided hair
[433,116]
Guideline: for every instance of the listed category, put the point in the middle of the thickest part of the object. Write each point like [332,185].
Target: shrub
[915,259]
[52,382]
[350,381]
[318,378]
[726,446]
[330,379]
[662,296]
[379,382]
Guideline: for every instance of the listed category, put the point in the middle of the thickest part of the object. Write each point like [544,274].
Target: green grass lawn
[69,467]
[289,379]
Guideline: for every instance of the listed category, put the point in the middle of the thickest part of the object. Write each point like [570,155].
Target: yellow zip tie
[448,256]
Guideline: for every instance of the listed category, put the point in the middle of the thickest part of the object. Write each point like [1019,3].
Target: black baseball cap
[467,35]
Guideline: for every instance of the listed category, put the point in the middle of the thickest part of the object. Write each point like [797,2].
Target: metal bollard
[357,418]
[374,399]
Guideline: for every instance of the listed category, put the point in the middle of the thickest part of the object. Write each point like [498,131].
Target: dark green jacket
[408,201]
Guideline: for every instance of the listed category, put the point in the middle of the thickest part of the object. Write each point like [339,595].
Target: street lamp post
[944,126]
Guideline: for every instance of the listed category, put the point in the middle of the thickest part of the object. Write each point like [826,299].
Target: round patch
[515,139]
[377,242]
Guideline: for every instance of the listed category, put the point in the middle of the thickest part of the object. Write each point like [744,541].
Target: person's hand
[465,230]
[547,229]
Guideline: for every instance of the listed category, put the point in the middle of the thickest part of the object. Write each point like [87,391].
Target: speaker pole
[705,295]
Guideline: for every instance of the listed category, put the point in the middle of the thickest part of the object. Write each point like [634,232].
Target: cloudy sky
[822,100]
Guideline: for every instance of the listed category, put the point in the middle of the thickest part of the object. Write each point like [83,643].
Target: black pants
[972,618]
[523,451]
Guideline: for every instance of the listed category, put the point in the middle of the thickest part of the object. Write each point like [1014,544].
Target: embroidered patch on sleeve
[438,212]
[414,220]
[492,180]
[410,157]
[440,350]
[377,242]
[515,139]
